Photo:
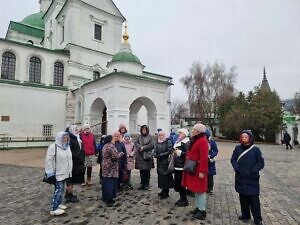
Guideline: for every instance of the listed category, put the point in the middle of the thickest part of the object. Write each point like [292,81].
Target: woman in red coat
[197,182]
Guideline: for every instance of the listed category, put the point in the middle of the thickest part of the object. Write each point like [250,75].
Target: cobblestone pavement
[24,199]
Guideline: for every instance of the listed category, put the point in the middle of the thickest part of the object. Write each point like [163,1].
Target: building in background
[68,64]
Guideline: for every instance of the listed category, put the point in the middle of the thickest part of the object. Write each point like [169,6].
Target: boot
[165,194]
[200,215]
[182,203]
[70,198]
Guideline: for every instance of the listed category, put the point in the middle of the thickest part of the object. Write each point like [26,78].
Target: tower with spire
[265,84]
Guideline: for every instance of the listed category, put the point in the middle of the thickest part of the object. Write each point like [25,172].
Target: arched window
[8,66]
[58,74]
[35,65]
[96,75]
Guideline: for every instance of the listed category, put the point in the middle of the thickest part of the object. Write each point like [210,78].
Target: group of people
[74,153]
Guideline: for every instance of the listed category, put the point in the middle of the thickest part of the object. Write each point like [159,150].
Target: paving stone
[26,200]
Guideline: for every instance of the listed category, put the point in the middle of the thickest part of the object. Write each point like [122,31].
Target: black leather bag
[51,179]
[147,155]
[190,166]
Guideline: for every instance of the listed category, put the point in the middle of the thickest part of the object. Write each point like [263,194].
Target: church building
[70,64]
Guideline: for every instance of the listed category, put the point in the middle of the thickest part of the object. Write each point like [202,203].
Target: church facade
[68,64]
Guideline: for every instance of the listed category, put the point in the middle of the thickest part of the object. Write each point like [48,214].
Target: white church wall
[20,37]
[23,55]
[127,67]
[30,108]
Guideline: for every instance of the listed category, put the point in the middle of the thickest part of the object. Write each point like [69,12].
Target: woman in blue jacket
[212,154]
[247,161]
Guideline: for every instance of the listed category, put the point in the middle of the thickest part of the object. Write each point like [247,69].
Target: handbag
[171,166]
[147,155]
[51,179]
[190,166]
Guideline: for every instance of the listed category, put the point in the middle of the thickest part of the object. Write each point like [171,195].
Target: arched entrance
[98,117]
[142,111]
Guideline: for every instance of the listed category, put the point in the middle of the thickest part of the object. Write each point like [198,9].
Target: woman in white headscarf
[78,158]
[59,162]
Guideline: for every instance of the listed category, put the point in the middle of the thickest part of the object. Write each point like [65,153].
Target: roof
[35,20]
[125,57]
[62,52]
[128,75]
[26,29]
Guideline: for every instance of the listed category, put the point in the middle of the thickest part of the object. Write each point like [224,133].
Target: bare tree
[178,110]
[208,86]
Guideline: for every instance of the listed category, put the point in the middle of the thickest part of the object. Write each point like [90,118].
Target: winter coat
[287,137]
[130,150]
[110,161]
[199,152]
[212,153]
[162,152]
[147,143]
[89,143]
[62,165]
[247,169]
[182,145]
[123,160]
[78,158]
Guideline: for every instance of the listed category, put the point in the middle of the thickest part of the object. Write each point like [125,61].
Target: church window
[58,74]
[35,66]
[98,32]
[8,66]
[47,130]
[96,75]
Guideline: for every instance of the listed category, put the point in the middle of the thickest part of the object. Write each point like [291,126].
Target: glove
[50,174]
[178,152]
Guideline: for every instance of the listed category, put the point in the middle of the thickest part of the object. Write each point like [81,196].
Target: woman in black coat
[247,161]
[78,158]
[162,151]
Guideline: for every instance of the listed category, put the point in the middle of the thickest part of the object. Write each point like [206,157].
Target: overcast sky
[169,35]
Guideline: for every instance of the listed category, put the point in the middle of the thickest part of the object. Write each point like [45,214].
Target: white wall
[30,108]
[23,55]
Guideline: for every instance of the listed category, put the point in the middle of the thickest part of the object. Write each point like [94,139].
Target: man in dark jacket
[247,161]
[287,139]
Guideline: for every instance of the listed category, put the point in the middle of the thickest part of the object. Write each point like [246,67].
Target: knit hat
[200,128]
[122,125]
[127,135]
[183,131]
[86,126]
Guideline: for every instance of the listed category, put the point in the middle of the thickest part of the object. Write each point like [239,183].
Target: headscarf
[72,130]
[163,138]
[59,138]
[250,135]
[107,139]
[182,131]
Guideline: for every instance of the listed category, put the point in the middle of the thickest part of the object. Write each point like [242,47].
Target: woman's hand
[201,175]
[141,149]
